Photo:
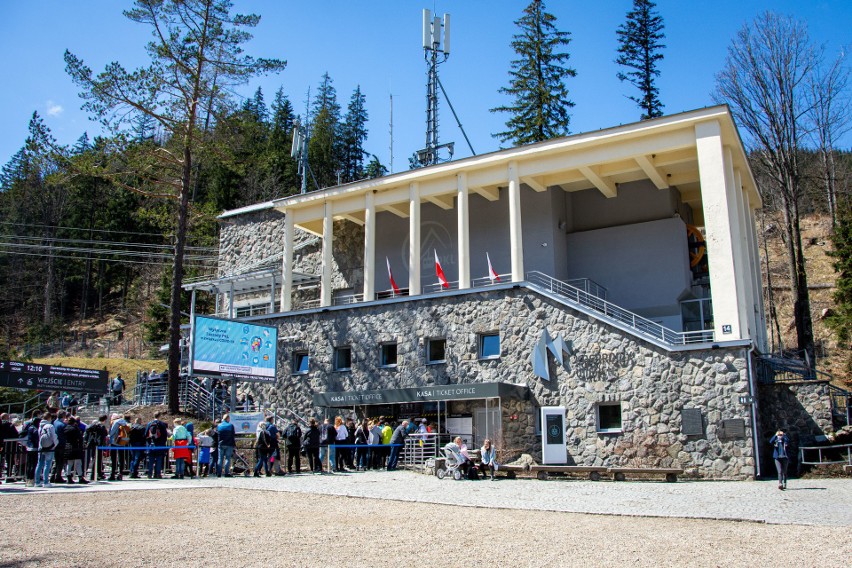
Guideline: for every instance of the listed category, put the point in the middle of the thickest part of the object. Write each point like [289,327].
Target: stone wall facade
[651,385]
[802,409]
[249,239]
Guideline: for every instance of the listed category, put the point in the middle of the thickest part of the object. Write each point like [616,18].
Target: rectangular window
[343,358]
[489,345]
[388,355]
[436,351]
[609,417]
[301,363]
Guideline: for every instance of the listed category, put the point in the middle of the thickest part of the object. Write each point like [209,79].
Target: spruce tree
[639,50]
[354,134]
[540,106]
[324,147]
[840,320]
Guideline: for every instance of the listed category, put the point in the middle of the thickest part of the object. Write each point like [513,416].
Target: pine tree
[195,57]
[639,50]
[354,134]
[540,109]
[282,166]
[375,169]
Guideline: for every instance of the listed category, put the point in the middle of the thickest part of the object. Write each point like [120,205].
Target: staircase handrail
[611,311]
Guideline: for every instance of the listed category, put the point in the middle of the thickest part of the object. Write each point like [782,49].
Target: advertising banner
[36,376]
[234,350]
[246,422]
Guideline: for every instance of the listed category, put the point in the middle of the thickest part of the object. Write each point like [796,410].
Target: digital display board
[37,376]
[234,349]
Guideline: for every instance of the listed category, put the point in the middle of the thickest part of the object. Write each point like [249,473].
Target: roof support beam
[443,201]
[605,186]
[489,193]
[534,184]
[652,172]
[357,218]
[396,209]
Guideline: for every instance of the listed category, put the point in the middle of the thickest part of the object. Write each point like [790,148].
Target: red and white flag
[439,272]
[492,274]
[390,276]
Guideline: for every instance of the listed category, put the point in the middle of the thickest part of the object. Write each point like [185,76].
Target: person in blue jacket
[227,443]
[781,446]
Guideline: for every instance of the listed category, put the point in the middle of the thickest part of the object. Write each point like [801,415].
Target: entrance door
[486,424]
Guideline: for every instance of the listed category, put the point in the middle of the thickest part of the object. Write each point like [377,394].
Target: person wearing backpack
[293,439]
[96,435]
[59,450]
[262,447]
[156,434]
[275,449]
[47,443]
[119,436]
[137,445]
[30,432]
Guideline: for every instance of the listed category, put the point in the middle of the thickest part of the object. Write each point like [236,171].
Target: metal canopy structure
[249,282]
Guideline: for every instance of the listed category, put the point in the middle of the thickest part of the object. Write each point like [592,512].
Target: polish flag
[492,274]
[442,280]
[390,276]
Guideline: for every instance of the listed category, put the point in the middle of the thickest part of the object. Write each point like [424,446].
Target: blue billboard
[234,350]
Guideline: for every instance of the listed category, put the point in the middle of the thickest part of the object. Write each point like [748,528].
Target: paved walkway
[826,502]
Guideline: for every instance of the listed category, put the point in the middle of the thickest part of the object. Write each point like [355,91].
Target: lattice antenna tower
[436,50]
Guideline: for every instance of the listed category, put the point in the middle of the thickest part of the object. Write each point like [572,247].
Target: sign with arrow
[36,376]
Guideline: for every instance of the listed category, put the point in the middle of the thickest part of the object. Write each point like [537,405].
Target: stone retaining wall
[605,365]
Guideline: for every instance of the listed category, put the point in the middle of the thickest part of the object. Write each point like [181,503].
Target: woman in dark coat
[74,451]
[311,443]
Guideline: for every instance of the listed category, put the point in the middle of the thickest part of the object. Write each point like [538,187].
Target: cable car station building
[627,291]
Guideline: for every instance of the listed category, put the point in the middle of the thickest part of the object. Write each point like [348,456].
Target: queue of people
[62,449]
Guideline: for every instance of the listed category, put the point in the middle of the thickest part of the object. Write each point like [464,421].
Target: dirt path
[234,527]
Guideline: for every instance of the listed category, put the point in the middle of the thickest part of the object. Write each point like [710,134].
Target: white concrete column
[756,276]
[719,240]
[516,240]
[287,264]
[736,241]
[744,267]
[413,240]
[327,242]
[369,248]
[463,213]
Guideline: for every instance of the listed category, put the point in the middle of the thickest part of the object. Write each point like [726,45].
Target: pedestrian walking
[780,448]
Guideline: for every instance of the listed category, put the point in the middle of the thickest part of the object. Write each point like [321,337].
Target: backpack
[154,434]
[46,438]
[123,437]
[472,472]
[293,434]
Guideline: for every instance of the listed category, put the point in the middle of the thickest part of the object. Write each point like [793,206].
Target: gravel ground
[221,526]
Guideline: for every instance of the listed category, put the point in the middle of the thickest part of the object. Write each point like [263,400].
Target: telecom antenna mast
[435,52]
[299,151]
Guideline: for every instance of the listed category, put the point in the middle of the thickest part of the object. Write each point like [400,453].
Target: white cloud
[54,109]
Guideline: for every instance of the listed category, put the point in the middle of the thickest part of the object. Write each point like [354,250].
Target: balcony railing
[640,325]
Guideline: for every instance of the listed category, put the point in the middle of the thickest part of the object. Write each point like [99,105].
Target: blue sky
[377,44]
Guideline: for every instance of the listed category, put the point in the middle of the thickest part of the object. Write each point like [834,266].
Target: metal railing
[588,286]
[419,448]
[637,323]
[826,455]
[21,408]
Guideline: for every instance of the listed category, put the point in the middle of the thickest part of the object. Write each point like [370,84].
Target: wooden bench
[620,473]
[543,471]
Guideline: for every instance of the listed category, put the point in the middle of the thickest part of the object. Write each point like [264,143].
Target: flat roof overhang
[249,282]
[434,393]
